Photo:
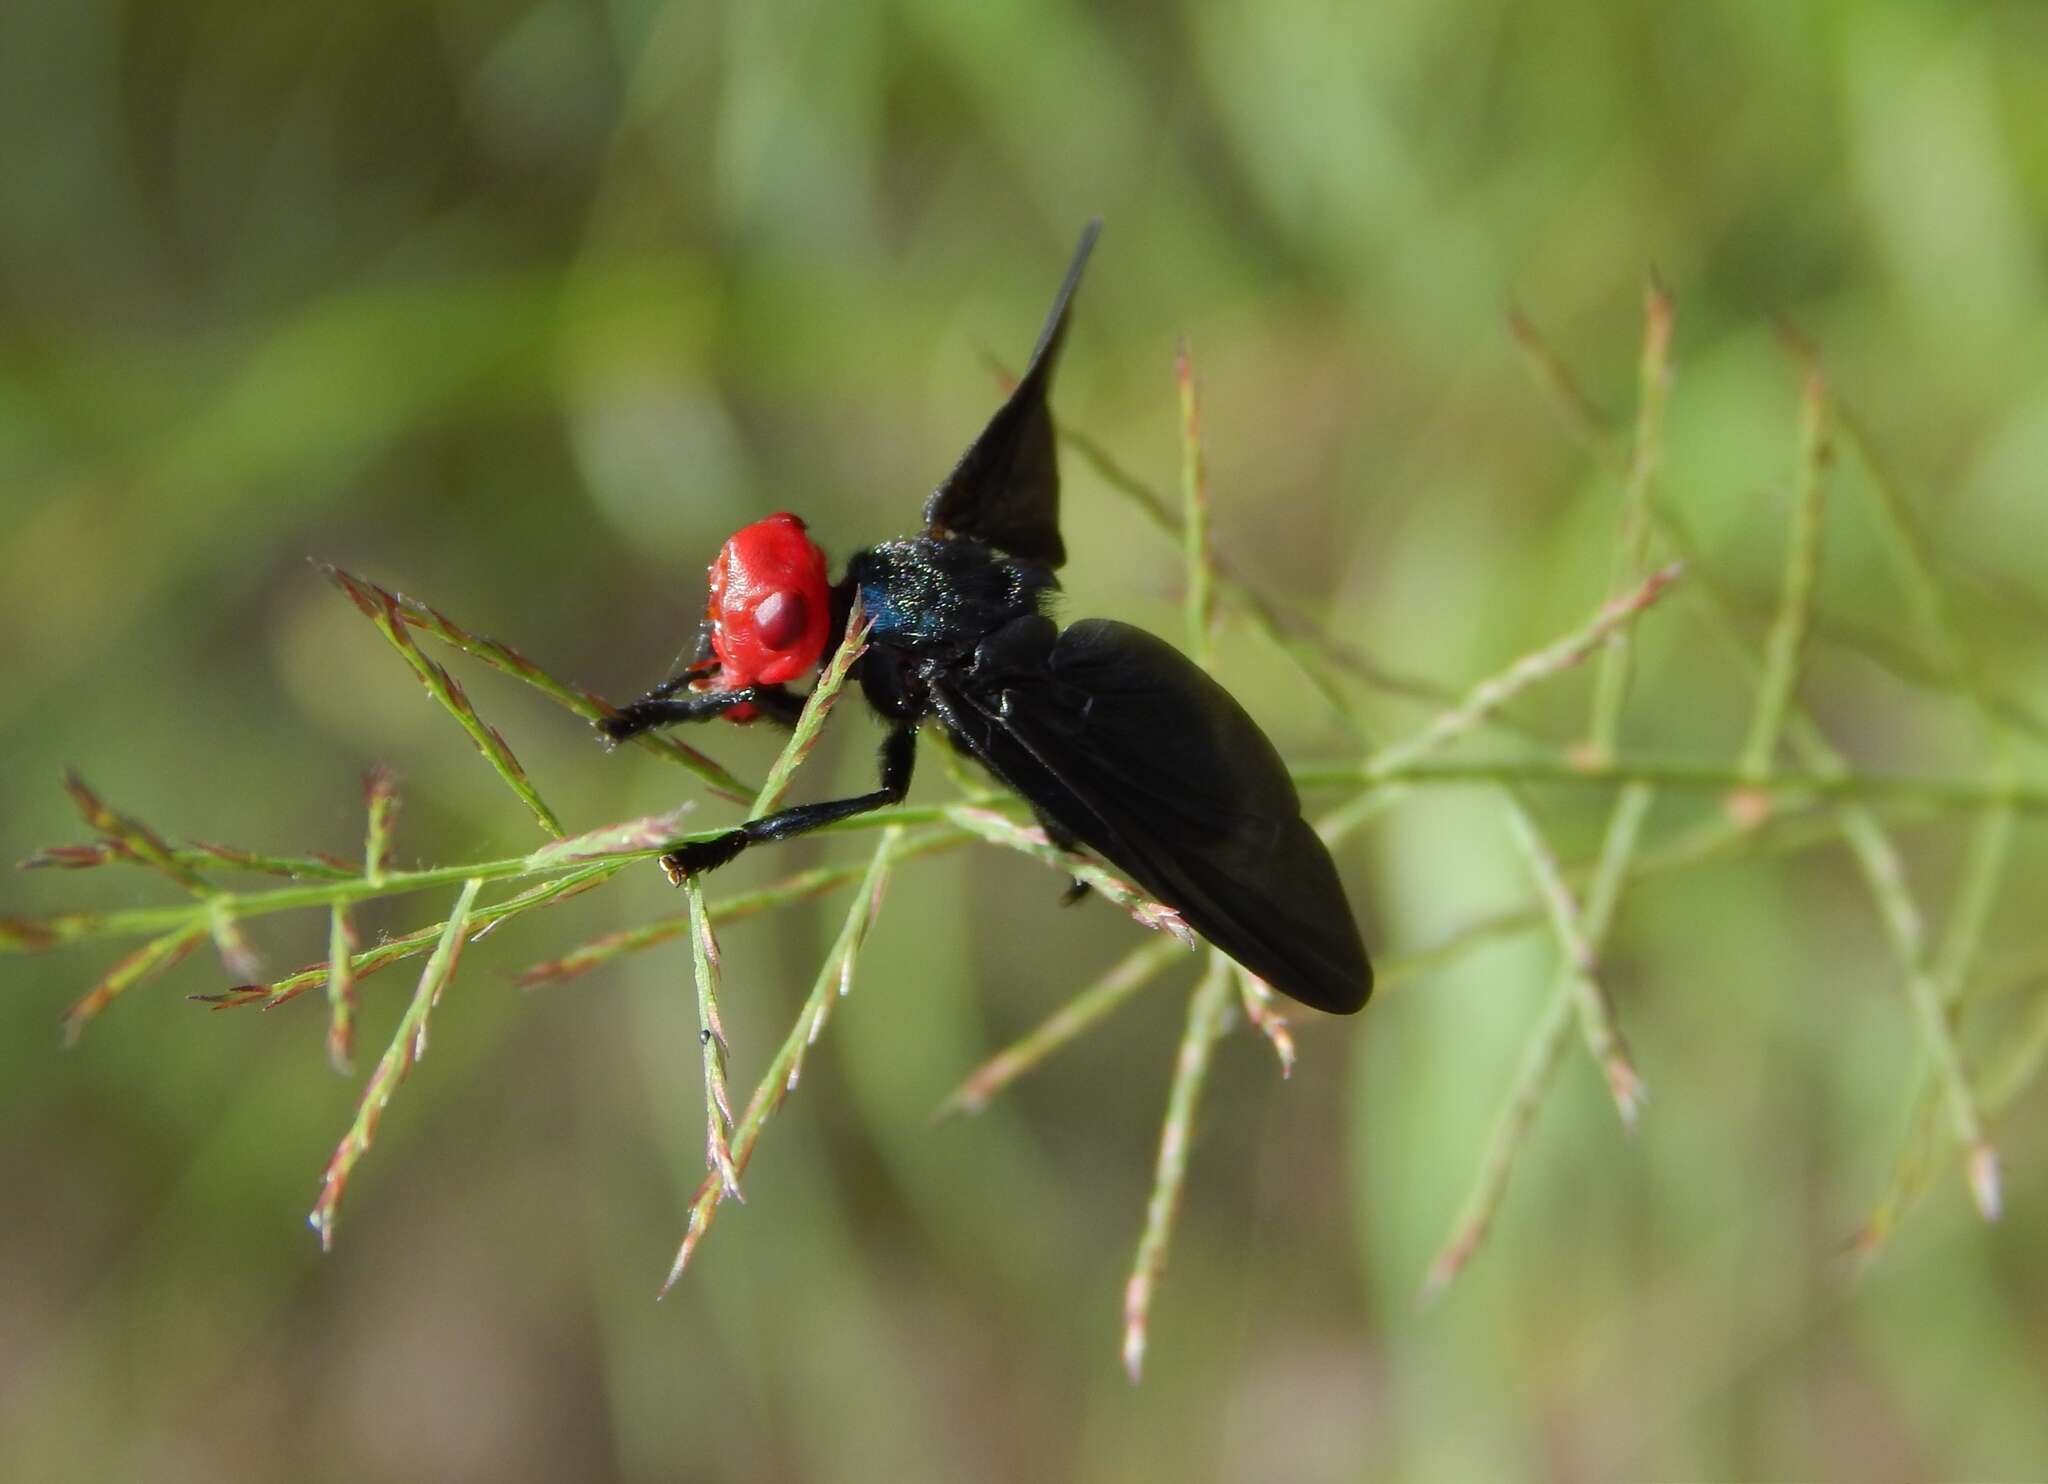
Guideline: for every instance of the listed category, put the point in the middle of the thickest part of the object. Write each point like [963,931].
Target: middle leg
[899,754]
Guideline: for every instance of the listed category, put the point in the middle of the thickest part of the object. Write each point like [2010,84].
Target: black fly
[1116,740]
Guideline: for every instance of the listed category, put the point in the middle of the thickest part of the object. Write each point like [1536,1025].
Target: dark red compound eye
[781,618]
[770,604]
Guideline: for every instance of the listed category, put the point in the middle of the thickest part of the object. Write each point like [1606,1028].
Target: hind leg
[1065,840]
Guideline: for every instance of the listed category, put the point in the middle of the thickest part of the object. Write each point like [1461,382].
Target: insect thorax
[944,594]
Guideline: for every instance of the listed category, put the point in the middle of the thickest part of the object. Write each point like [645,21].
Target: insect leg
[899,753]
[661,707]
[779,703]
[1066,840]
[702,663]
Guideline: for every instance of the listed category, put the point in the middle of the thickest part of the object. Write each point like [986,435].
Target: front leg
[661,707]
[899,754]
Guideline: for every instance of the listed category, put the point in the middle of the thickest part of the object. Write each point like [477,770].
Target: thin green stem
[1716,840]
[408,1045]
[1300,641]
[711,1039]
[1486,698]
[130,838]
[507,660]
[2015,1065]
[150,959]
[411,945]
[1382,771]
[199,856]
[1632,545]
[1078,1015]
[811,722]
[1984,865]
[1885,877]
[1990,842]
[835,976]
[341,991]
[1885,872]
[804,884]
[1582,935]
[1541,1056]
[1032,841]
[380,803]
[1405,760]
[1262,1010]
[1561,387]
[1784,646]
[1917,562]
[1194,488]
[23,935]
[1207,1008]
[1682,775]
[383,609]
[1580,965]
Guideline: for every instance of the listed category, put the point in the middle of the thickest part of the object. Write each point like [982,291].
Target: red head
[770,607]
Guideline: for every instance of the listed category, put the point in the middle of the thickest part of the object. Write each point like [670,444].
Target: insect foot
[702,855]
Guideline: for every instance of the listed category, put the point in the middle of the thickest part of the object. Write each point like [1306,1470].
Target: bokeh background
[521,307]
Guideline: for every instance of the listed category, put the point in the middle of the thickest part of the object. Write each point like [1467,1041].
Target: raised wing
[1131,747]
[1006,488]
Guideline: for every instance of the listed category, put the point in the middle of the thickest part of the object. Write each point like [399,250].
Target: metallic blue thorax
[937,594]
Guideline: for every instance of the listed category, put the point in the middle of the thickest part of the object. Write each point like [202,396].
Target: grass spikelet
[1205,1024]
[382,609]
[408,1045]
[373,599]
[151,958]
[780,1079]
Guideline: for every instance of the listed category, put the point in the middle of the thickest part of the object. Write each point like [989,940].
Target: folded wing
[1131,747]
[1006,488]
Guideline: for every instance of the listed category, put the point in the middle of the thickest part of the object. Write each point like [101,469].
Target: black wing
[1006,488]
[1131,747]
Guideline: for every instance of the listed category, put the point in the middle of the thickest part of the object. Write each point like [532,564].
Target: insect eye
[781,618]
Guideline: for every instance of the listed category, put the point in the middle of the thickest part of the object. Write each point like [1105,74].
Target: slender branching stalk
[1262,1012]
[704,946]
[1205,1025]
[1785,648]
[1582,935]
[408,1045]
[1788,789]
[1578,942]
[835,977]
[711,1037]
[374,600]
[1208,1007]
[1882,867]
[1543,1052]
[999,829]
[1632,544]
[1581,966]
[800,887]
[382,609]
[1198,557]
[1072,1020]
[341,990]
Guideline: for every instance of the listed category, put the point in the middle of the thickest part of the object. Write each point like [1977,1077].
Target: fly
[1115,739]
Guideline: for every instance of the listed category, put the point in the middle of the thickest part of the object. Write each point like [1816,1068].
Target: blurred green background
[521,308]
